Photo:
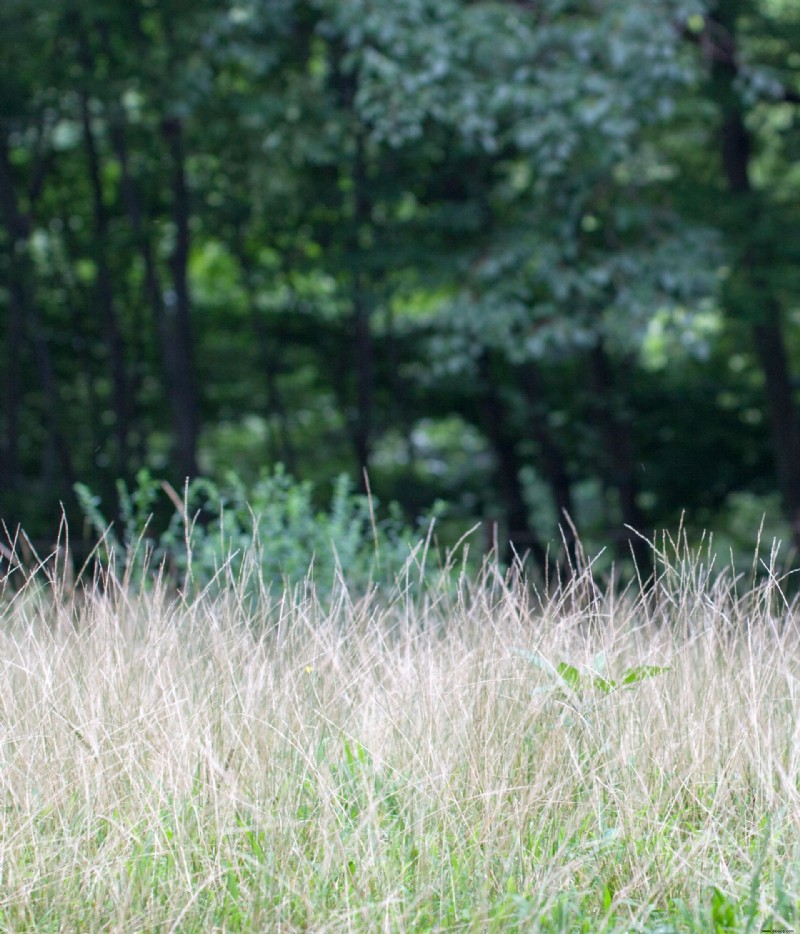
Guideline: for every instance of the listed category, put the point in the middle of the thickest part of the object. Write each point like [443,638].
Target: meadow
[459,752]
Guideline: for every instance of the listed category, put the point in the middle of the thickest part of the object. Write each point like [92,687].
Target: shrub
[272,529]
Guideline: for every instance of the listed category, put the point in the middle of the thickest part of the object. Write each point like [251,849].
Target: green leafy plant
[271,530]
[566,677]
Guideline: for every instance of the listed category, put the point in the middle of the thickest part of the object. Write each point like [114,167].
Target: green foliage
[271,530]
[568,680]
[237,233]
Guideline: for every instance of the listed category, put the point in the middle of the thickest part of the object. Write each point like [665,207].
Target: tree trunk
[268,365]
[768,329]
[617,458]
[23,310]
[362,334]
[551,457]
[173,360]
[179,311]
[771,350]
[122,396]
[521,538]
[13,384]
[345,86]
[171,310]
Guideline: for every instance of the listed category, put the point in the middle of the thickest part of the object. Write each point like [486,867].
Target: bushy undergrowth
[489,759]
[216,533]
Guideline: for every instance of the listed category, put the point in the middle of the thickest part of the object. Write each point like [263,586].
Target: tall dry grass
[406,762]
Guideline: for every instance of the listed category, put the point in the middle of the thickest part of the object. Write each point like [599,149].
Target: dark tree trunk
[179,311]
[403,415]
[771,350]
[617,459]
[15,334]
[521,538]
[173,359]
[551,457]
[362,334]
[11,403]
[17,233]
[768,329]
[121,394]
[267,362]
[24,311]
[171,310]
[275,403]
[80,305]
[345,86]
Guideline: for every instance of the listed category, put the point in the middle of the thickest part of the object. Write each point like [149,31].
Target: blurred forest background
[527,258]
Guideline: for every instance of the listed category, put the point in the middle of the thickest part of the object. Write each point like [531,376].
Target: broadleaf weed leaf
[643,673]
[570,674]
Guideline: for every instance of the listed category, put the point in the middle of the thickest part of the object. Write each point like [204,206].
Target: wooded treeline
[534,259]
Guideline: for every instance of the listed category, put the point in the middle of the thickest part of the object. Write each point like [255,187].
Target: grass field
[474,757]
